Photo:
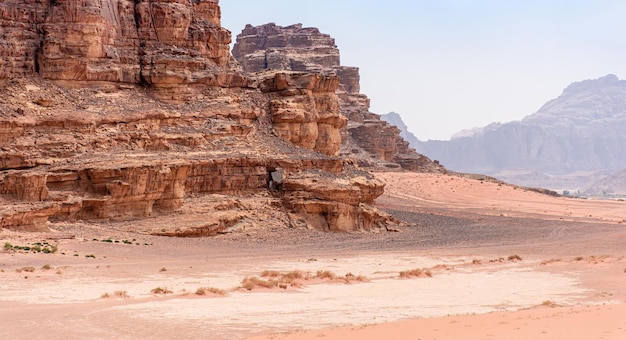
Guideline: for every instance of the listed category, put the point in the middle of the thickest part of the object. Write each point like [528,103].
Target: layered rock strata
[86,136]
[299,49]
[174,46]
[305,110]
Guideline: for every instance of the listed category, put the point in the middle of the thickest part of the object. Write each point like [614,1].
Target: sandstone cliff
[569,143]
[116,110]
[299,49]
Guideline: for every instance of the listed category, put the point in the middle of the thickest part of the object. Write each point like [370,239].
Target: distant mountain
[610,186]
[395,119]
[567,144]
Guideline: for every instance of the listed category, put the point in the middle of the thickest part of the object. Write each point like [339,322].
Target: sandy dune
[503,263]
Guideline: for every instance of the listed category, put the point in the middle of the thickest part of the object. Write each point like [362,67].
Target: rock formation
[116,110]
[612,186]
[298,49]
[395,119]
[305,110]
[568,144]
[163,43]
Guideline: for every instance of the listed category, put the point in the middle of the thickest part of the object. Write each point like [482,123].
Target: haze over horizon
[446,66]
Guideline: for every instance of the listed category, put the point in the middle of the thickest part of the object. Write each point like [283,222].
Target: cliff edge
[134,115]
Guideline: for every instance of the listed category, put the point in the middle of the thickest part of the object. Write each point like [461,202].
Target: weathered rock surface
[163,43]
[612,186]
[295,48]
[82,137]
[567,144]
[305,109]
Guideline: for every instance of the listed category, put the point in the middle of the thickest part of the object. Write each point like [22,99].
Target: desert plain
[473,259]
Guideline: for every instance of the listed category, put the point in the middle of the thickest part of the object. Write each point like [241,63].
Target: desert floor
[497,262]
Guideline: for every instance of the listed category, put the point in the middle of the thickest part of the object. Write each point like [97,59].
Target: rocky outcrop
[178,47]
[565,145]
[295,48]
[395,119]
[335,204]
[612,186]
[305,110]
[116,110]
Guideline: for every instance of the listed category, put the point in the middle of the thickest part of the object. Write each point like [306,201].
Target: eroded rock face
[82,140]
[305,109]
[93,40]
[294,48]
[328,203]
[20,37]
[175,46]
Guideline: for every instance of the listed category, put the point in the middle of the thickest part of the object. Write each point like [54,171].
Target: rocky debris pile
[116,110]
[295,48]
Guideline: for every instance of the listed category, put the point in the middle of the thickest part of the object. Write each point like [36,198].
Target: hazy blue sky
[448,65]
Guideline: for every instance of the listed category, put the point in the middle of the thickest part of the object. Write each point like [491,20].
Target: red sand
[573,256]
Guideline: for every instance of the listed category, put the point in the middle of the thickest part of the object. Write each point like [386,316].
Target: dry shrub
[514,258]
[579,258]
[295,275]
[163,270]
[325,275]
[270,273]
[549,303]
[477,261]
[210,290]
[105,296]
[275,279]
[121,294]
[161,290]
[352,278]
[251,282]
[46,267]
[416,273]
[29,269]
[551,261]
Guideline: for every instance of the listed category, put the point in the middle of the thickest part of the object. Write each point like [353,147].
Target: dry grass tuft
[354,278]
[46,267]
[551,261]
[549,303]
[270,273]
[477,261]
[274,279]
[121,294]
[579,258]
[105,296]
[251,282]
[210,290]
[29,269]
[295,275]
[161,290]
[417,272]
[514,258]
[325,275]
[162,270]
